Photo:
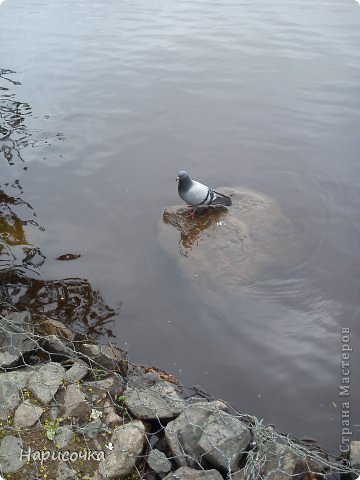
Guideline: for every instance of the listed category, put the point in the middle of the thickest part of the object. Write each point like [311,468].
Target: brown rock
[49,326]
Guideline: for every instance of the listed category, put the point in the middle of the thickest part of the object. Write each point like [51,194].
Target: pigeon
[195,194]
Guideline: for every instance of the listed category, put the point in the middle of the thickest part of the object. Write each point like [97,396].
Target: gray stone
[183,433]
[9,398]
[92,429]
[355,454]
[187,473]
[54,412]
[11,385]
[112,384]
[280,461]
[108,407]
[128,442]
[10,454]
[16,331]
[112,419]
[150,401]
[27,414]
[63,437]
[224,440]
[77,372]
[65,472]
[75,404]
[106,356]
[151,476]
[45,382]
[53,344]
[9,357]
[159,462]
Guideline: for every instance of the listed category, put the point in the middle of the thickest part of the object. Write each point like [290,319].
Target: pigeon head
[182,175]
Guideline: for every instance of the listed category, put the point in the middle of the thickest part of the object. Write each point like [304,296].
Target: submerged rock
[49,326]
[234,246]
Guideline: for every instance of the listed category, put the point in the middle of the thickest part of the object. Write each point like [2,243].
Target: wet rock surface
[231,247]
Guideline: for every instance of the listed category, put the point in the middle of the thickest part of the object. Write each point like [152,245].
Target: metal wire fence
[71,408]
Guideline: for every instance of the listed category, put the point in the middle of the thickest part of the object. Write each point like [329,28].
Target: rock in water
[231,247]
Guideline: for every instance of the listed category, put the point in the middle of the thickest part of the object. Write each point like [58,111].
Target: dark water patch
[71,300]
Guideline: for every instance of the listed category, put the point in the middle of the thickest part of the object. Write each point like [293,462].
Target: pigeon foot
[191,214]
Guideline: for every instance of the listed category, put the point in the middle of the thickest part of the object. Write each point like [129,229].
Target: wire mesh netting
[73,408]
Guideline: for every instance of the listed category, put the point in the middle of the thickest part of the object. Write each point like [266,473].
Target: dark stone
[105,356]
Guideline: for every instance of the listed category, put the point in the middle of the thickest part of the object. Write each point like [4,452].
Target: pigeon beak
[177,178]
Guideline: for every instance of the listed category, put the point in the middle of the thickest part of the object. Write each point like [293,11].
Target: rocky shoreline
[74,409]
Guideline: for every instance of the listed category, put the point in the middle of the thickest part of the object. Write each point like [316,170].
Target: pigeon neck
[185,183]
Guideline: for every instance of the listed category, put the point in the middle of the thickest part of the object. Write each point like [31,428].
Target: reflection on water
[14,135]
[15,250]
[71,300]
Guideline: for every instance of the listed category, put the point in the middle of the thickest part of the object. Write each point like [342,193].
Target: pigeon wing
[197,194]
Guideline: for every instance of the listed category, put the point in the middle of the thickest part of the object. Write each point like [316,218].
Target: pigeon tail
[220,199]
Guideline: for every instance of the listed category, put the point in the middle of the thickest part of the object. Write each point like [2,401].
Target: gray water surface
[116,97]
